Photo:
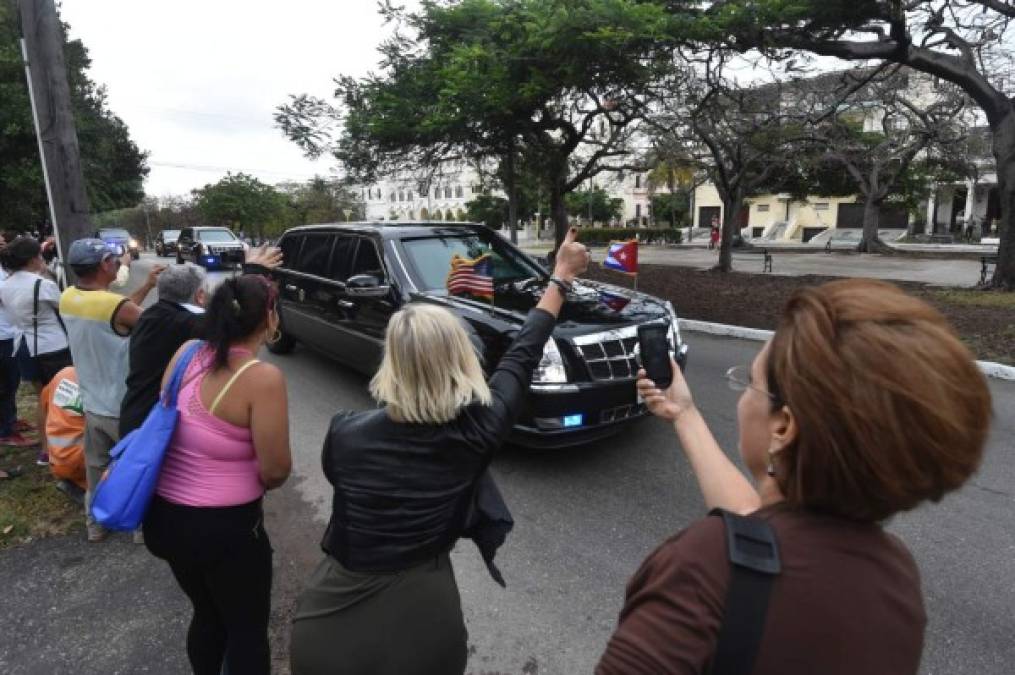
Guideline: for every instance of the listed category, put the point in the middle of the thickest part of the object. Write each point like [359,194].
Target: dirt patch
[985,320]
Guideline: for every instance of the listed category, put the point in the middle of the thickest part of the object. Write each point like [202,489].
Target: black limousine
[339,285]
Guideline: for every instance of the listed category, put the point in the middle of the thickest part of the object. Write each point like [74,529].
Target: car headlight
[133,243]
[674,325]
[551,367]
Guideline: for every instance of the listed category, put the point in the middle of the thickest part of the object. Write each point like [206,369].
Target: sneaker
[138,536]
[19,441]
[96,533]
[75,493]
[42,459]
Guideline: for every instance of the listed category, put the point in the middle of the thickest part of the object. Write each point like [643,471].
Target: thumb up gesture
[572,258]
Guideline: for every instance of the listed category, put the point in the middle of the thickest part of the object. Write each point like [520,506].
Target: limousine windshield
[431,256]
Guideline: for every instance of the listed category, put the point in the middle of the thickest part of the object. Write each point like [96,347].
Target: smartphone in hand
[654,347]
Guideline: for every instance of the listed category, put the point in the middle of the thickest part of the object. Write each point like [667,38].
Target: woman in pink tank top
[231,445]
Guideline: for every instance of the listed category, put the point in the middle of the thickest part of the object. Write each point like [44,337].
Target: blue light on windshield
[573,420]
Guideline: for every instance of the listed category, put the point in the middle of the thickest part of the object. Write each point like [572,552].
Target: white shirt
[17,296]
[8,331]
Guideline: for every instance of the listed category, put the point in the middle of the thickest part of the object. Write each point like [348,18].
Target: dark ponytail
[18,253]
[236,311]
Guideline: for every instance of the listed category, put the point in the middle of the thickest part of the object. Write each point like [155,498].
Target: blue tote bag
[122,496]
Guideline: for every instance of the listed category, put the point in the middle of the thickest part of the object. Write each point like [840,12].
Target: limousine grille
[609,355]
[621,412]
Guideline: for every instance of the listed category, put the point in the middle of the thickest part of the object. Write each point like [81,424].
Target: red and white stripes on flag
[474,277]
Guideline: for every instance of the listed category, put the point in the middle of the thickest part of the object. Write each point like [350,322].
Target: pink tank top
[209,462]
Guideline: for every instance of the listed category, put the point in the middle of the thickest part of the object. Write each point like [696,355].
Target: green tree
[966,42]
[242,202]
[322,201]
[114,167]
[557,84]
[673,208]
[489,210]
[594,206]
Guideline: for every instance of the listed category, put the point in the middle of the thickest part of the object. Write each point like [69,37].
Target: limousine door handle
[292,288]
[345,304]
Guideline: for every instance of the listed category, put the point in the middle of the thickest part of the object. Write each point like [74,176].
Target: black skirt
[405,623]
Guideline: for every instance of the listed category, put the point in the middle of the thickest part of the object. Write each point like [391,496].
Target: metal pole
[38,137]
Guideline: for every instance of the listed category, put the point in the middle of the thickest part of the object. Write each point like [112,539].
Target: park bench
[987,265]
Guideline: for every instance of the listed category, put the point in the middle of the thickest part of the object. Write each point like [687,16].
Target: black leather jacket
[402,490]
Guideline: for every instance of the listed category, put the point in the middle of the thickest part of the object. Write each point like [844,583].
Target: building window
[637,210]
[394,197]
[476,189]
[458,191]
[821,206]
[408,195]
[447,192]
[637,181]
[763,208]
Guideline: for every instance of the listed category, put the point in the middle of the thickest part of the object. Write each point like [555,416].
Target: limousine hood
[593,304]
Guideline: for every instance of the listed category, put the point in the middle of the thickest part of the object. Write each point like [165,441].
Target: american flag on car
[474,277]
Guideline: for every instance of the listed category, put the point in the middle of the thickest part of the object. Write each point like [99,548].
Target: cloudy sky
[197,80]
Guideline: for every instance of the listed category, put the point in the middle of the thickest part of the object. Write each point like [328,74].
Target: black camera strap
[754,565]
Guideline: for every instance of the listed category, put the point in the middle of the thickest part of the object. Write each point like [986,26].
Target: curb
[989,368]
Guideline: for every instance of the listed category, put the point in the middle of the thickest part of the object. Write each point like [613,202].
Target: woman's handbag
[122,496]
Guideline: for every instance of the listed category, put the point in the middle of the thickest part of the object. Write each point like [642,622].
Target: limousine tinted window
[314,258]
[432,259]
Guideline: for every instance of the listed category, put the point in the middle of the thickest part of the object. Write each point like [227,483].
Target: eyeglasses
[739,379]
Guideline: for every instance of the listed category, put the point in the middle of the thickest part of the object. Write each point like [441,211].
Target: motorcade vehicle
[165,242]
[119,237]
[340,284]
[210,247]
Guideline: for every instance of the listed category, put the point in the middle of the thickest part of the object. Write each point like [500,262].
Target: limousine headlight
[551,367]
[674,325]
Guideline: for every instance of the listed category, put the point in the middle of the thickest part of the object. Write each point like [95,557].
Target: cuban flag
[613,301]
[474,277]
[623,256]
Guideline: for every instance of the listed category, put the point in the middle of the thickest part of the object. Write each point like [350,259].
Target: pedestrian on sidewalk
[10,376]
[231,444]
[864,404]
[384,600]
[713,237]
[31,299]
[98,323]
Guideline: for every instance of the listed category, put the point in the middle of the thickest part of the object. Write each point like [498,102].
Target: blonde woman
[384,600]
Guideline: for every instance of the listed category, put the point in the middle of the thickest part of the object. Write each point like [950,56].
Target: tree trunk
[869,241]
[509,184]
[558,213]
[732,208]
[1004,155]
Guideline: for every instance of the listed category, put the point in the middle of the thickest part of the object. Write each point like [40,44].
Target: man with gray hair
[160,331]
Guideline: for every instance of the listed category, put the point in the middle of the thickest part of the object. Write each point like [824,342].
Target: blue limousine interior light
[575,420]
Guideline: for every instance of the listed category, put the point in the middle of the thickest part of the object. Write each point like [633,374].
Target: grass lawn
[30,505]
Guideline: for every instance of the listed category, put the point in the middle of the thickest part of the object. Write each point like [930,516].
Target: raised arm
[509,383]
[721,482]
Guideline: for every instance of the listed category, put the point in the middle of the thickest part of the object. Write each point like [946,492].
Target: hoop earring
[770,469]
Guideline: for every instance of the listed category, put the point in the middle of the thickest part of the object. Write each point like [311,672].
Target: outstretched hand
[572,257]
[671,403]
[265,256]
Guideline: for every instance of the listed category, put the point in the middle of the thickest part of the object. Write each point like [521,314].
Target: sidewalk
[934,271]
[70,607]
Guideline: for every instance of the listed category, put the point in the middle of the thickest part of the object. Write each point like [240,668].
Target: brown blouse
[848,600]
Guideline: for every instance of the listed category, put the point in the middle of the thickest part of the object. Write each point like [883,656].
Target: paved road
[941,272]
[585,517]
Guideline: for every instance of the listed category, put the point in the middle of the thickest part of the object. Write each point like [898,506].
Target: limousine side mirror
[366,286]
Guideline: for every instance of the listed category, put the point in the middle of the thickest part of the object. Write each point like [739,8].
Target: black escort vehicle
[339,285]
[210,247]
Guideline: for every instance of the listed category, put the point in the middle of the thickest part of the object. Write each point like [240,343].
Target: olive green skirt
[406,623]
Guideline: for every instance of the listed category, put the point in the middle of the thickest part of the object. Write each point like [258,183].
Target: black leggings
[221,558]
